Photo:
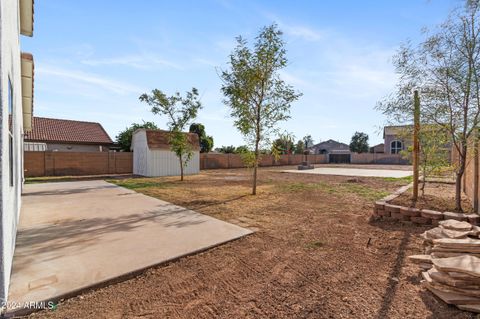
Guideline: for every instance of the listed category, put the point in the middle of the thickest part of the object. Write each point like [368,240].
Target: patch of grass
[363,191]
[139,183]
[406,179]
[315,244]
[338,189]
[299,186]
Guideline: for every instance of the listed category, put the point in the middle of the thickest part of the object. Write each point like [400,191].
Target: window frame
[398,147]
[11,129]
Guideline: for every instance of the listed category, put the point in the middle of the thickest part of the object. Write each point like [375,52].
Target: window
[10,134]
[396,147]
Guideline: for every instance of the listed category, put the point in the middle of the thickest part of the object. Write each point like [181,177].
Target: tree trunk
[458,181]
[424,180]
[181,168]
[255,168]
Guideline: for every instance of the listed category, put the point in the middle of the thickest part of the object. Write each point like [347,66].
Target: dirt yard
[438,196]
[315,254]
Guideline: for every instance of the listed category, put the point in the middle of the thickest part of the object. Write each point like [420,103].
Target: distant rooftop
[67,131]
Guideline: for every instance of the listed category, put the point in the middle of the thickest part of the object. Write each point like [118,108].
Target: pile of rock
[383,209]
[451,263]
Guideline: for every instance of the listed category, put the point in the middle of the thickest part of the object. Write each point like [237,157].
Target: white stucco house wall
[16,96]
[152,155]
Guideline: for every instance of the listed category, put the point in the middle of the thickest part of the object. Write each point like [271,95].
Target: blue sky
[94,58]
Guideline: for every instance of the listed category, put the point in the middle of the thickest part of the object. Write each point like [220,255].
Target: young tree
[445,67]
[124,138]
[433,150]
[179,111]
[299,147]
[434,154]
[258,98]
[308,141]
[359,143]
[206,142]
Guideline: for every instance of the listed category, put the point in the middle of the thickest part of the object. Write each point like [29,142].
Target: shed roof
[159,139]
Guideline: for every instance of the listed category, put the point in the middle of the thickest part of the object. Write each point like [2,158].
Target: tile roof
[57,130]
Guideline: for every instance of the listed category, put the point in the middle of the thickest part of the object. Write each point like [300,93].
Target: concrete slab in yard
[74,235]
[362,172]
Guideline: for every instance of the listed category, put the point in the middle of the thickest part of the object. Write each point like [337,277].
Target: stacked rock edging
[451,263]
[383,209]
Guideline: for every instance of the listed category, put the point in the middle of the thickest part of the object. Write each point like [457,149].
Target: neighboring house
[337,152]
[378,149]
[152,155]
[16,96]
[395,139]
[66,136]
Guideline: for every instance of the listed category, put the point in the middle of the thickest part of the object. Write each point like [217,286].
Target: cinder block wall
[217,161]
[77,163]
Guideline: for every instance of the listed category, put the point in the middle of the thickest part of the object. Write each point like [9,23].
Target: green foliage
[232,149]
[284,144]
[179,111]
[308,141]
[248,158]
[445,69]
[299,147]
[359,143]
[124,138]
[242,149]
[206,142]
[258,98]
[434,150]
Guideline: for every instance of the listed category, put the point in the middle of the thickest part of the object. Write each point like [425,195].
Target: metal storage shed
[152,155]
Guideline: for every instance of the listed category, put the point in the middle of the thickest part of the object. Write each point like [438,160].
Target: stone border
[384,210]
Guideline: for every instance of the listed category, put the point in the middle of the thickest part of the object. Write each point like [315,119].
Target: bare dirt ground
[315,254]
[438,196]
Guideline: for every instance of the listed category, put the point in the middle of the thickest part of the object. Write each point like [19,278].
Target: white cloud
[139,61]
[301,31]
[88,78]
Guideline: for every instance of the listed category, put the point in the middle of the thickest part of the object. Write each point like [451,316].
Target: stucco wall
[10,195]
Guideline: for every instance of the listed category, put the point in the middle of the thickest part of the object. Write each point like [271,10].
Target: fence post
[476,165]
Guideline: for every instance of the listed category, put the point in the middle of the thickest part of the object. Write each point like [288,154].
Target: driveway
[74,235]
[360,172]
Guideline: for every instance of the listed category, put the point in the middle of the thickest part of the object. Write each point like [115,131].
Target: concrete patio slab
[73,235]
[360,172]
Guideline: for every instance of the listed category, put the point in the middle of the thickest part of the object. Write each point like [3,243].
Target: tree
[308,141]
[445,67]
[433,150]
[284,144]
[300,147]
[179,111]
[359,143]
[206,142]
[434,154]
[124,138]
[258,98]
[226,149]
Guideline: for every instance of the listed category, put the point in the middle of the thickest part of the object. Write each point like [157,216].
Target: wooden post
[416,144]
[476,165]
